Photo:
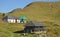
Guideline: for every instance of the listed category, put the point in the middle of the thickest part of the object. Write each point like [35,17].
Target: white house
[11,19]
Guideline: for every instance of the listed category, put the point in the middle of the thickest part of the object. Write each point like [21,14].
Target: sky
[9,5]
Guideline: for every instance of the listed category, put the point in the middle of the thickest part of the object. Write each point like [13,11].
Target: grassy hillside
[40,11]
[46,12]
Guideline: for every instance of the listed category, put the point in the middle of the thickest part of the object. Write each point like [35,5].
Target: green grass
[48,13]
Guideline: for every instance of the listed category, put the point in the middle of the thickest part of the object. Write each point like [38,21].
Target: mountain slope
[46,12]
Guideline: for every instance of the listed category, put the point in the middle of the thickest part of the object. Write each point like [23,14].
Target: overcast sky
[9,5]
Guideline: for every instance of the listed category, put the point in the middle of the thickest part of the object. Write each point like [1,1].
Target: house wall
[15,21]
[11,20]
[25,21]
[33,29]
[28,29]
[18,21]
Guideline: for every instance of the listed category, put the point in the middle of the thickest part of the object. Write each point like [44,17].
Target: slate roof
[12,17]
[34,23]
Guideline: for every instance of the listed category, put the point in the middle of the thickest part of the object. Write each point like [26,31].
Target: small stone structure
[36,28]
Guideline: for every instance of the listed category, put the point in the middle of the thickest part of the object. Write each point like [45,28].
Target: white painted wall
[18,21]
[15,21]
[11,20]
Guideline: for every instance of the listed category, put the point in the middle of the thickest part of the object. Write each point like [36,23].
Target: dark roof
[34,23]
[11,17]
